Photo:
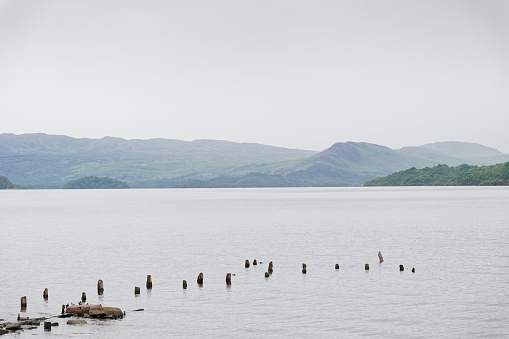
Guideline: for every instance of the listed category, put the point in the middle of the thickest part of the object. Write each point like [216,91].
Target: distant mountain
[350,163]
[49,161]
[40,160]
[456,153]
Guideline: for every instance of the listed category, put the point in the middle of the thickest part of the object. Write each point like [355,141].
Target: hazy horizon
[295,74]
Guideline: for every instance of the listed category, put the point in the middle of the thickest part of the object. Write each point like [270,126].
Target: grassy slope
[47,160]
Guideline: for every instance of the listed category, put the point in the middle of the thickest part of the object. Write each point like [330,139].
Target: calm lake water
[456,238]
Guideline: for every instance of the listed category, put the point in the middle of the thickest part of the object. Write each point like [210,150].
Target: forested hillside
[443,175]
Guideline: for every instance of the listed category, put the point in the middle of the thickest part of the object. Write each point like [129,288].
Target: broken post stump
[337,266]
[366,267]
[401,268]
[199,280]
[47,325]
[45,294]
[269,270]
[255,262]
[136,290]
[267,274]
[100,287]
[23,303]
[303,268]
[413,269]
[149,281]
[380,256]
[63,309]
[246,264]
[83,297]
[228,278]
[184,284]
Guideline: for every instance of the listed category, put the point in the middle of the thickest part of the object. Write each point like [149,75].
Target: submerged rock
[76,322]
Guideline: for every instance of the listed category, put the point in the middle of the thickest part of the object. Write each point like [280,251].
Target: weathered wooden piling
[83,297]
[366,267]
[246,264]
[63,309]
[267,274]
[184,284]
[136,290]
[149,282]
[401,267]
[380,256]
[199,280]
[47,325]
[303,268]
[45,294]
[413,269]
[228,278]
[337,266]
[100,287]
[23,303]
[269,270]
[255,262]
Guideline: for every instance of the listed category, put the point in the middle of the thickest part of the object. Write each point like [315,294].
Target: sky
[292,73]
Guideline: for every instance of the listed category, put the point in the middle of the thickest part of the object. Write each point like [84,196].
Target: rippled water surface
[456,238]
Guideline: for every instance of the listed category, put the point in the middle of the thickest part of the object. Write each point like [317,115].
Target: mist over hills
[49,161]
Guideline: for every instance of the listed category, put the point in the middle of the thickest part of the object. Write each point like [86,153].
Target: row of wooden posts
[199,280]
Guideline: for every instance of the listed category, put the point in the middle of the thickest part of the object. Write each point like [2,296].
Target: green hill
[443,175]
[95,183]
[6,183]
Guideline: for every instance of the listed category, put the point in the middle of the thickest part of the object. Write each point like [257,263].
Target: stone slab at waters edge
[106,312]
[80,310]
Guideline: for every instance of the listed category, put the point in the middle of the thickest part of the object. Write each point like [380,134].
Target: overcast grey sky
[299,74]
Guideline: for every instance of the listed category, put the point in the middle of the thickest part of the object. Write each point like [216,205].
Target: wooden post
[47,325]
[100,287]
[337,266]
[380,256]
[270,269]
[267,274]
[45,294]
[246,264]
[366,267]
[136,290]
[184,284]
[303,268]
[199,280]
[228,278]
[23,303]
[63,309]
[401,268]
[413,269]
[83,297]
[255,262]
[149,281]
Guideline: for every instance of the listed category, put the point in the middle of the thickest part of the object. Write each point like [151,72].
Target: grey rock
[12,326]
